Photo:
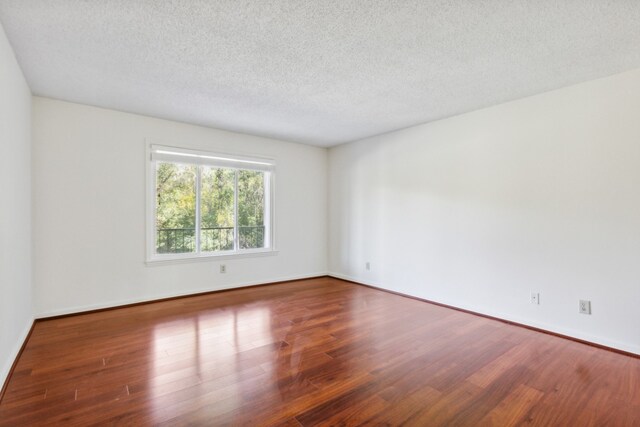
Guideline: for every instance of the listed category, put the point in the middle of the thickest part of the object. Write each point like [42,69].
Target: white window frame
[156,153]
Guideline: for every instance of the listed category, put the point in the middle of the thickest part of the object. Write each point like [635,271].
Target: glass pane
[251,209]
[216,209]
[175,208]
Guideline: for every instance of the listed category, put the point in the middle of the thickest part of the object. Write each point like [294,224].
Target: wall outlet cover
[585,307]
[535,298]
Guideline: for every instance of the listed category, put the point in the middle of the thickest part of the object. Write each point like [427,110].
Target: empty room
[301,213]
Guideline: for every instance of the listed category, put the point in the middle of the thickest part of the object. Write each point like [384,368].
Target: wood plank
[313,352]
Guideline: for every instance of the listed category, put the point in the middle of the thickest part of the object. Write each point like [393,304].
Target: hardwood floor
[313,352]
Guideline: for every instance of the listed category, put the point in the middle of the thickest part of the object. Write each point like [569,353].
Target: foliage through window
[206,204]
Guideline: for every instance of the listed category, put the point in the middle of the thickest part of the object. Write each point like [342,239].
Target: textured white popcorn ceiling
[317,72]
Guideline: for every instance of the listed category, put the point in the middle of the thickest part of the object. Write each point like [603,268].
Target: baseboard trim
[116,306]
[15,359]
[475,313]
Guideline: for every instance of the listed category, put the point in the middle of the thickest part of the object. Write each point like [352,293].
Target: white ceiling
[317,72]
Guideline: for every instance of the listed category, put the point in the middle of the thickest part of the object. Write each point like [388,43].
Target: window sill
[189,258]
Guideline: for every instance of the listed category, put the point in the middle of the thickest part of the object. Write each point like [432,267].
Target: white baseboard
[6,367]
[117,303]
[628,347]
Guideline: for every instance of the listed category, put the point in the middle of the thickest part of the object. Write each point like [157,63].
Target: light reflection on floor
[206,351]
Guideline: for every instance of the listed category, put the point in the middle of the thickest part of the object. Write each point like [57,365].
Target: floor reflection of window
[209,352]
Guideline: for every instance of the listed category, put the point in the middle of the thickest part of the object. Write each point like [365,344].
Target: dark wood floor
[312,352]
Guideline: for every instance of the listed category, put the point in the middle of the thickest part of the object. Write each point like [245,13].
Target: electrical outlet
[535,298]
[585,307]
[367,265]
[223,268]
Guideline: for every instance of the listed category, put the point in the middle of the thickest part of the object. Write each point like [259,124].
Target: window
[203,204]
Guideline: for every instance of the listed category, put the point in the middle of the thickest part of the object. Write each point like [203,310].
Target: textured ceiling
[318,72]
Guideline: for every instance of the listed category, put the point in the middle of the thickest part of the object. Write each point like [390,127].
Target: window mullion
[198,191]
[236,231]
[266,215]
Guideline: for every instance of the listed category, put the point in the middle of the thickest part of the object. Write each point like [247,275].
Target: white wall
[478,210]
[89,210]
[15,208]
